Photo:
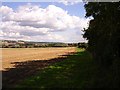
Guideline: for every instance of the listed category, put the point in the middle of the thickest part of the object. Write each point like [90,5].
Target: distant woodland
[26,44]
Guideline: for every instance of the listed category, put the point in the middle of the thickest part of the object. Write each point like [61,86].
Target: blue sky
[76,9]
[45,21]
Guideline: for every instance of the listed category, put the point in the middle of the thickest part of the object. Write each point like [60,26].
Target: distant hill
[32,44]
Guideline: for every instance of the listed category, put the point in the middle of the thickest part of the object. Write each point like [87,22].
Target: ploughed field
[12,55]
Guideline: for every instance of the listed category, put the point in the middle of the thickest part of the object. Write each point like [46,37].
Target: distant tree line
[34,45]
[24,44]
[82,45]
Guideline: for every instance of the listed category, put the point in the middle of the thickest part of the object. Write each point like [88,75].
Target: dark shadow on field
[76,70]
[22,70]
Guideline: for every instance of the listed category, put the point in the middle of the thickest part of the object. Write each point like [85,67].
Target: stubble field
[11,55]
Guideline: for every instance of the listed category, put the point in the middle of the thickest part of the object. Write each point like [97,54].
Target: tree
[103,33]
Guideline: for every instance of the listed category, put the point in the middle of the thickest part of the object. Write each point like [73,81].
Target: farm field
[76,70]
[11,55]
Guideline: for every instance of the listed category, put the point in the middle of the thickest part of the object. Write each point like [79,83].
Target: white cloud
[31,21]
[70,2]
[5,10]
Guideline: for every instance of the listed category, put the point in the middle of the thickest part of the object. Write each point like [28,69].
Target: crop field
[11,55]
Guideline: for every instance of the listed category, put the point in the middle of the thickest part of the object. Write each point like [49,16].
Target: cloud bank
[32,22]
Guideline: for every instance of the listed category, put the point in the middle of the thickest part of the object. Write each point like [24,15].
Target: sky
[61,21]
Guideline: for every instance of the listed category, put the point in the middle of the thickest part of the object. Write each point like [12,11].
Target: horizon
[41,42]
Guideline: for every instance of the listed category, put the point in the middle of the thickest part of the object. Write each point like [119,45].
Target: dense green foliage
[82,45]
[103,33]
